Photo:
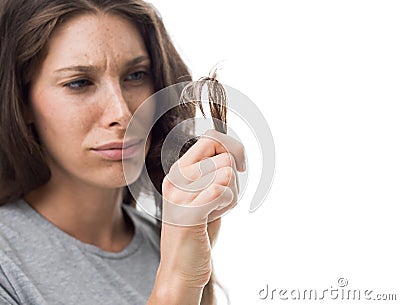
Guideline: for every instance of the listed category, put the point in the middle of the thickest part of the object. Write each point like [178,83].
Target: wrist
[169,290]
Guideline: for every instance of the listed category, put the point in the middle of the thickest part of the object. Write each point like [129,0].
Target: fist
[202,185]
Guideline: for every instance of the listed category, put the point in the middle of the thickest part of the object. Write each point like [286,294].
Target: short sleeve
[7,296]
[6,299]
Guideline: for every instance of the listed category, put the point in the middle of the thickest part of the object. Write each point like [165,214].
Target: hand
[200,187]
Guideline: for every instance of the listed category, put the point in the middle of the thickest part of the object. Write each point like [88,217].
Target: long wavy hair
[25,29]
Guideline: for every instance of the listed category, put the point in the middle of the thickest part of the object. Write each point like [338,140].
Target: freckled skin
[75,111]
[72,122]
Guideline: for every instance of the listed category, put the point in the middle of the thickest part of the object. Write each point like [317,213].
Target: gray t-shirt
[41,264]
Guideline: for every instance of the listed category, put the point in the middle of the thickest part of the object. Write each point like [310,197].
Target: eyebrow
[91,68]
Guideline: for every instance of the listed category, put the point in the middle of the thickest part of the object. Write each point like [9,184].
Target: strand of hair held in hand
[192,93]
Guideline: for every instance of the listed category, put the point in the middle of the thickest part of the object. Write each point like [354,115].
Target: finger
[185,195]
[219,212]
[213,143]
[225,176]
[176,194]
[199,169]
[223,209]
[182,176]
[215,196]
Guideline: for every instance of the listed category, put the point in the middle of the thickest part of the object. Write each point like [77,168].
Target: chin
[114,177]
[132,171]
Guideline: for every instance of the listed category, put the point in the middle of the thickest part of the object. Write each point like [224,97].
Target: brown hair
[25,29]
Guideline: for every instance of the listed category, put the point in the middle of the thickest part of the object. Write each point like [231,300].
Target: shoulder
[10,211]
[20,228]
[12,222]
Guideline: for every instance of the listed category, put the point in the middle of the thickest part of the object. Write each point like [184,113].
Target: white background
[326,75]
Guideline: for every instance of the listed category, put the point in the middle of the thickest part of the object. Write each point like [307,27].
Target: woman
[72,75]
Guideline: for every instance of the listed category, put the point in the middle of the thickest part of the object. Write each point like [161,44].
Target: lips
[117,151]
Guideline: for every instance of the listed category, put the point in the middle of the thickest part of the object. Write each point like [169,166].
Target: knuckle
[169,190]
[192,174]
[174,165]
[174,168]
[179,175]
[174,197]
[227,175]
[214,191]
[227,159]
[167,185]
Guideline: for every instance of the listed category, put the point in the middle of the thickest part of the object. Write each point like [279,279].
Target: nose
[117,112]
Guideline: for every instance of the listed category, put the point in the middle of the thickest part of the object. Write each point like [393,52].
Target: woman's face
[95,74]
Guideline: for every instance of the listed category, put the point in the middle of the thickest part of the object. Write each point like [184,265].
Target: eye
[78,84]
[136,76]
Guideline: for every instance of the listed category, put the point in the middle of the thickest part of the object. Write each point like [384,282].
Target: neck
[90,214]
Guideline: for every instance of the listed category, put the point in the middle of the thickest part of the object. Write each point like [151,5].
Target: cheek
[60,127]
[57,126]
[141,123]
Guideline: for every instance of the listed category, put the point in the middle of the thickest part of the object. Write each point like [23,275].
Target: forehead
[94,39]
